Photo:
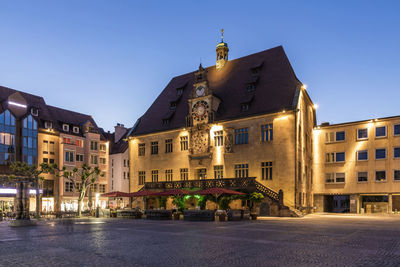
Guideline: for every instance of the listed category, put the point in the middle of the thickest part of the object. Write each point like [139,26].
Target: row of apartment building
[248,118]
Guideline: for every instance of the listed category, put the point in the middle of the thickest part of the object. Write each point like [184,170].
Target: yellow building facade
[235,120]
[357,166]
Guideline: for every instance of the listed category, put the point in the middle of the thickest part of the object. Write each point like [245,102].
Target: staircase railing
[267,191]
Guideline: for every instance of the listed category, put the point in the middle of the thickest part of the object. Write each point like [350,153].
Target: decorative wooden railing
[248,183]
[267,192]
[230,183]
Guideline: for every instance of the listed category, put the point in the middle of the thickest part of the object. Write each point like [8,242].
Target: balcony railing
[230,183]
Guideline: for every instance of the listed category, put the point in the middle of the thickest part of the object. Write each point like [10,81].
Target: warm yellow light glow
[304,86]
[282,118]
[97,200]
[216,127]
[315,106]
[376,120]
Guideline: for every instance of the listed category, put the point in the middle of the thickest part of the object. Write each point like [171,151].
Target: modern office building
[34,132]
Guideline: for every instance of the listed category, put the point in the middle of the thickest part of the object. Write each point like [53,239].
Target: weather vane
[222,35]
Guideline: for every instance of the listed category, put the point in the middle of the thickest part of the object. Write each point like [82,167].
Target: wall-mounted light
[315,106]
[16,104]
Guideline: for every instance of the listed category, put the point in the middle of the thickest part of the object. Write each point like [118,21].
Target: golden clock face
[199,110]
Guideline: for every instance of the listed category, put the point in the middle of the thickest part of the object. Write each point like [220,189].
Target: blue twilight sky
[111,59]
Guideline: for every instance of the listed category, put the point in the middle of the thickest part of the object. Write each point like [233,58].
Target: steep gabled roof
[276,85]
[46,112]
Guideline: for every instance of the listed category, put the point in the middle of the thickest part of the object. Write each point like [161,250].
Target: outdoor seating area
[155,204]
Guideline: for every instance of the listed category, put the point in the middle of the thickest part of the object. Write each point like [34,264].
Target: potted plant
[255,198]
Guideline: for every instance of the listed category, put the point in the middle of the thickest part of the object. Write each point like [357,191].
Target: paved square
[324,240]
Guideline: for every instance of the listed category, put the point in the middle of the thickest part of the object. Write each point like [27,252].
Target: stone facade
[356,166]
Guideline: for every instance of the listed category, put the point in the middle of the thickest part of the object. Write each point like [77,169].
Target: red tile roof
[275,91]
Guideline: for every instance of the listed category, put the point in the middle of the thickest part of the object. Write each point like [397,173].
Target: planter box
[235,215]
[198,215]
[158,214]
[130,214]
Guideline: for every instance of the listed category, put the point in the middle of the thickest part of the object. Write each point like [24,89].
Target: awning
[115,194]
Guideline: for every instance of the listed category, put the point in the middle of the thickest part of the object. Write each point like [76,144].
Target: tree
[31,172]
[82,179]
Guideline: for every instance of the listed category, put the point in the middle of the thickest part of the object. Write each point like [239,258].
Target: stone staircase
[277,199]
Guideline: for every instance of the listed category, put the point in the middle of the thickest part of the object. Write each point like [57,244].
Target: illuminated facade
[34,132]
[357,166]
[248,117]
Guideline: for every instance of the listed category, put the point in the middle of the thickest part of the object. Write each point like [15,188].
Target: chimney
[120,130]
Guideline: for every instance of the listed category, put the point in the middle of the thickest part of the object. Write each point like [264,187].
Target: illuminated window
[362,134]
[79,142]
[142,149]
[45,148]
[218,138]
[168,175]
[168,146]
[154,176]
[362,155]
[142,177]
[103,147]
[267,132]
[29,140]
[380,176]
[241,170]
[266,170]
[241,136]
[69,156]
[380,153]
[362,177]
[338,178]
[380,131]
[67,140]
[51,147]
[218,171]
[184,143]
[154,148]
[93,145]
[184,174]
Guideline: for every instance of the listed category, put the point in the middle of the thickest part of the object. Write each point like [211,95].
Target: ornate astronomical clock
[200,140]
[200,110]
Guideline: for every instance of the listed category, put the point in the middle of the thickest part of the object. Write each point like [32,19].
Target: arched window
[7,137]
[29,143]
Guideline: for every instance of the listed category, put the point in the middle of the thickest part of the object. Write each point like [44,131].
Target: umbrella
[215,191]
[173,192]
[115,194]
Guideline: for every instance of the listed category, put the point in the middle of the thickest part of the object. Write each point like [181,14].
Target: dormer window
[251,87]
[65,127]
[245,106]
[48,125]
[172,106]
[34,111]
[165,121]
[75,129]
[179,91]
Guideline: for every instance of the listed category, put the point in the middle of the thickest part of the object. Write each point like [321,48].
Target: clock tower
[202,105]
[222,52]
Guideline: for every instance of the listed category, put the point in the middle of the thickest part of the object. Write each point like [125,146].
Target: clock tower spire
[222,52]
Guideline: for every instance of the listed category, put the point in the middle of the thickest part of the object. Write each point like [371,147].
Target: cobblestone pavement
[323,240]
